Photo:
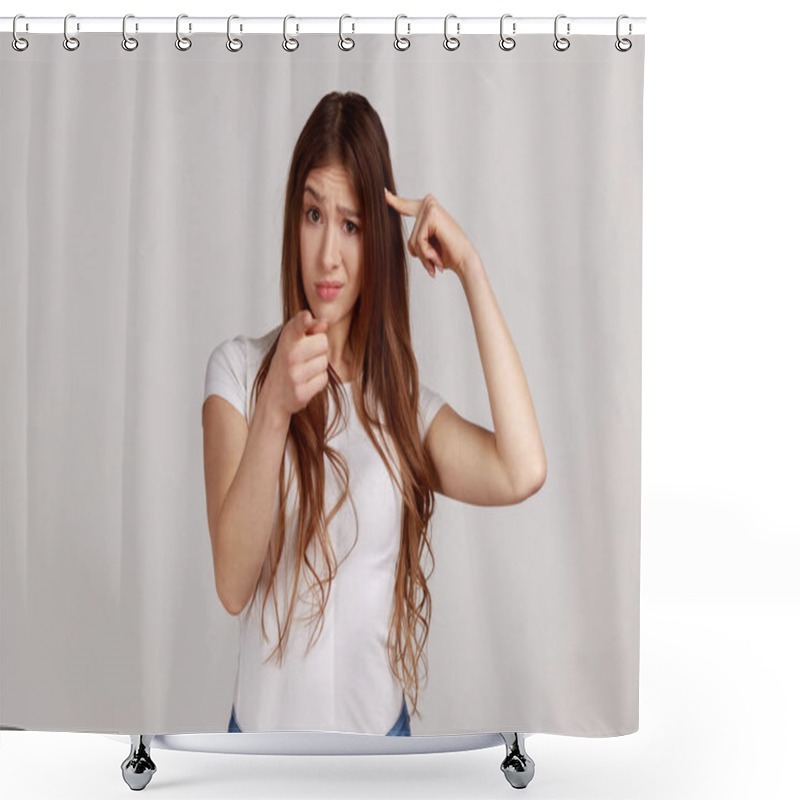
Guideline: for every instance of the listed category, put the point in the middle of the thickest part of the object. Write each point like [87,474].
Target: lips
[327,290]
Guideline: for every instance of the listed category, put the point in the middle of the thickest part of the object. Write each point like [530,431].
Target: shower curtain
[146,268]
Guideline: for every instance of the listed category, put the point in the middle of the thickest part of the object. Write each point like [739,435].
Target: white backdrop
[720,606]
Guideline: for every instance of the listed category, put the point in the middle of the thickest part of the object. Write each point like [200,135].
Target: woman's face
[331,244]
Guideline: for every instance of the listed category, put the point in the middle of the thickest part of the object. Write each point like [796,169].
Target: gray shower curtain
[142,212]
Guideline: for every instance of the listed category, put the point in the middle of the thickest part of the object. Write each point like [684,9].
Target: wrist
[268,408]
[472,268]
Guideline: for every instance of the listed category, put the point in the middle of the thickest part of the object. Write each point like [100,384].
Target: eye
[354,228]
[312,210]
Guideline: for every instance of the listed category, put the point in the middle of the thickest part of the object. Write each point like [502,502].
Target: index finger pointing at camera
[408,207]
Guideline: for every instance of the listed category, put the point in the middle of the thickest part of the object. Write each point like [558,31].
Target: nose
[331,254]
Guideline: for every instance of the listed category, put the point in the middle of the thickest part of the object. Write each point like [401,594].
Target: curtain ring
[345,42]
[623,45]
[507,42]
[451,42]
[289,43]
[400,42]
[70,42]
[129,43]
[17,42]
[233,44]
[560,40]
[182,42]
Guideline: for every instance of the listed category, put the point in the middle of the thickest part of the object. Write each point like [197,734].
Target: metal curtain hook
[70,42]
[290,44]
[345,42]
[233,44]
[128,42]
[561,43]
[451,42]
[182,42]
[623,45]
[507,42]
[400,42]
[17,42]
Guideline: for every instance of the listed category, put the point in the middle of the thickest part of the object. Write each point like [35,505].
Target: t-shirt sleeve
[226,373]
[429,404]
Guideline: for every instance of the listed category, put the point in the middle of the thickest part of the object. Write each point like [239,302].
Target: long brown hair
[344,129]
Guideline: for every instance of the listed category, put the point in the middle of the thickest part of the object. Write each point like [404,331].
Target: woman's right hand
[299,368]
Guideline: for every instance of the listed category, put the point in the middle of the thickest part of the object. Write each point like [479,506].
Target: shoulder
[258,347]
[241,352]
[228,357]
[430,403]
[226,372]
[233,365]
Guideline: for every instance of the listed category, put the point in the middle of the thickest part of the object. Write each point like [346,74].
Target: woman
[350,555]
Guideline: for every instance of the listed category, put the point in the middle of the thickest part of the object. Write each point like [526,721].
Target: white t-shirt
[344,683]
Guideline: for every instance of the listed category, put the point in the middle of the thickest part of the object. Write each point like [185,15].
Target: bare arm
[241,473]
[517,438]
[472,463]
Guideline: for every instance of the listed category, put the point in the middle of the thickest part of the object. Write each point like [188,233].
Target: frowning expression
[331,243]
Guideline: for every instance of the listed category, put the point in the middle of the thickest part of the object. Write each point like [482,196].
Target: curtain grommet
[289,43]
[507,42]
[70,42]
[129,43]
[623,44]
[183,43]
[401,42]
[561,43]
[18,42]
[345,42]
[451,42]
[233,44]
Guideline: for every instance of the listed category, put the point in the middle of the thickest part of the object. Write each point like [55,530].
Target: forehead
[331,179]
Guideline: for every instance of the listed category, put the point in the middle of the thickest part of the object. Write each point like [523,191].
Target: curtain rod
[513,26]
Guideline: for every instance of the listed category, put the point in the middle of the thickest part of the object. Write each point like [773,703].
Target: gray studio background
[142,203]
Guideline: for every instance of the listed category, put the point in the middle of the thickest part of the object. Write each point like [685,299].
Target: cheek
[305,253]
[356,251]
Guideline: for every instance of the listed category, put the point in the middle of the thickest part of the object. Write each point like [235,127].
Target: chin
[316,311]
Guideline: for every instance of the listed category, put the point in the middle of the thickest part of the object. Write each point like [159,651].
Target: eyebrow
[348,212]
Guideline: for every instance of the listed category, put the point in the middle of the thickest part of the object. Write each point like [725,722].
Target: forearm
[517,436]
[246,518]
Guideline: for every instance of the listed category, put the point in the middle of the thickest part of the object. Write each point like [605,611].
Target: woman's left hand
[436,240]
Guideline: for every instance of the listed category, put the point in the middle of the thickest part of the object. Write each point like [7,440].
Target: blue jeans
[400,728]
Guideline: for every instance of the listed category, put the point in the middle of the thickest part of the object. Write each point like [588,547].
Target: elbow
[223,579]
[236,597]
[231,604]
[234,609]
[227,603]
[534,481]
